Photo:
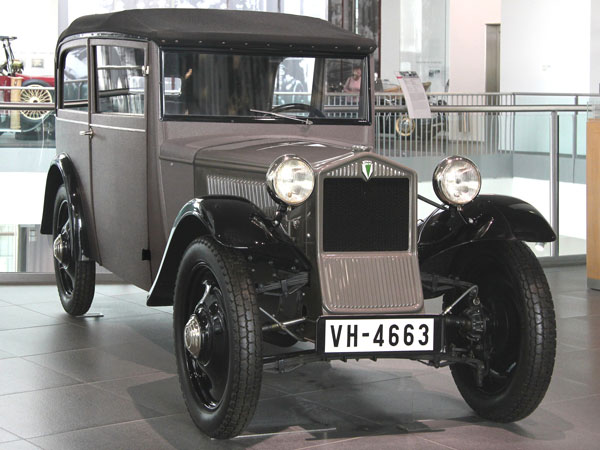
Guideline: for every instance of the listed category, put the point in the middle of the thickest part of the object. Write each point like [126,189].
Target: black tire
[76,280]
[520,332]
[221,383]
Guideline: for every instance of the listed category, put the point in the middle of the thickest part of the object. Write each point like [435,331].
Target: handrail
[11,106]
[15,106]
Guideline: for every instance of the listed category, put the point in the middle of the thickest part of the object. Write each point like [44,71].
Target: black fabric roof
[224,29]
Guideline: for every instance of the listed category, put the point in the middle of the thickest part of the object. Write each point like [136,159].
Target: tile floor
[110,383]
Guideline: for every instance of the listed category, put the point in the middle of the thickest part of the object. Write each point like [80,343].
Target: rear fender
[62,171]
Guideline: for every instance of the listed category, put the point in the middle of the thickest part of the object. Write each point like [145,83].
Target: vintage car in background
[11,75]
[181,169]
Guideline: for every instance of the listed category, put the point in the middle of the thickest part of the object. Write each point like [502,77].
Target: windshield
[248,87]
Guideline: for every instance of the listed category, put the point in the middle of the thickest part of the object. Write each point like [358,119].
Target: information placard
[414,95]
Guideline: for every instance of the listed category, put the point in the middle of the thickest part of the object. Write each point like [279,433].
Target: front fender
[62,171]
[488,217]
[233,222]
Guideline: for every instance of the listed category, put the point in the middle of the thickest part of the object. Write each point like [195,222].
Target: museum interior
[287,224]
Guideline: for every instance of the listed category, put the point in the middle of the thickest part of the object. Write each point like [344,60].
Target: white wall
[546,45]
[35,24]
[595,46]
[467,42]
[390,39]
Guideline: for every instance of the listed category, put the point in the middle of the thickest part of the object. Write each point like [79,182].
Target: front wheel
[218,343]
[518,345]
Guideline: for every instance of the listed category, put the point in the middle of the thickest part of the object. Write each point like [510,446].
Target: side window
[75,79]
[120,79]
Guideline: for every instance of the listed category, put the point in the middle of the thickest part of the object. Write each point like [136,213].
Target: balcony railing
[530,146]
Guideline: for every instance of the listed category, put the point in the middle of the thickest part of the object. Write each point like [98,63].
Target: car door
[72,121]
[119,158]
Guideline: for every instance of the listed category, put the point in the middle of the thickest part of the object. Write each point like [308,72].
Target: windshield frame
[264,119]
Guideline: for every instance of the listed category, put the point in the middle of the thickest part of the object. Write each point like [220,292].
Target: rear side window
[75,79]
[120,79]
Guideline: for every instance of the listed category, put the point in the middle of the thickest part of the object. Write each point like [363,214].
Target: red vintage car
[10,69]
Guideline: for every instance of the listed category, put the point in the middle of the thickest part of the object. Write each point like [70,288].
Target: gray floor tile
[18,445]
[13,317]
[46,339]
[581,366]
[137,402]
[569,306]
[52,411]
[583,332]
[23,295]
[119,289]
[66,336]
[92,364]
[324,375]
[138,298]
[158,391]
[4,355]
[5,436]
[173,432]
[19,375]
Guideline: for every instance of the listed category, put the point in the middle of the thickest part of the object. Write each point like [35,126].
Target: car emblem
[367,169]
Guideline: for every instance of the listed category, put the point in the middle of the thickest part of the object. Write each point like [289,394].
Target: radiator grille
[366,216]
[368,283]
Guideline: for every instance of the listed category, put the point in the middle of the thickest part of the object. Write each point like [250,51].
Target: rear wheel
[519,342]
[75,279]
[217,338]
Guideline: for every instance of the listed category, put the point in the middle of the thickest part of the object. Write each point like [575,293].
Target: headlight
[290,179]
[456,180]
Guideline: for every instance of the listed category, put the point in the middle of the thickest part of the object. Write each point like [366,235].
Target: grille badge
[367,169]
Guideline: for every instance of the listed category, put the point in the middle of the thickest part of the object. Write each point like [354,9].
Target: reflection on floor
[111,383]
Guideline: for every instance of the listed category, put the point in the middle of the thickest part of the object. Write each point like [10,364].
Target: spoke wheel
[405,126]
[75,279]
[35,93]
[217,338]
[519,343]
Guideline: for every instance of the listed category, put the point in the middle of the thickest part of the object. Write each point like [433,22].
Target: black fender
[487,217]
[233,222]
[62,171]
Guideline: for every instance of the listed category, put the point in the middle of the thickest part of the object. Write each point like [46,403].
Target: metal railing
[473,125]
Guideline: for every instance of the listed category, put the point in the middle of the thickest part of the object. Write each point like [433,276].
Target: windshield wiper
[282,116]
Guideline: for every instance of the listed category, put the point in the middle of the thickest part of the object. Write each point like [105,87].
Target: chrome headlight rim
[272,180]
[439,179]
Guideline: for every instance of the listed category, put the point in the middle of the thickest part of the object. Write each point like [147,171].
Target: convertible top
[223,29]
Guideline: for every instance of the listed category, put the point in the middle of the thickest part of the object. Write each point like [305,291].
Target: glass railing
[525,153]
[26,149]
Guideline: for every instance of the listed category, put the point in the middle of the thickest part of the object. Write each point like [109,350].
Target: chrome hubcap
[60,249]
[192,336]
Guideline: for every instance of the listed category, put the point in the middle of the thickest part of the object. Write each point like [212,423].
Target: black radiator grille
[365,216]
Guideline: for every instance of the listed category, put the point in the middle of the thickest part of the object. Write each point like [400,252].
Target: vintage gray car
[202,156]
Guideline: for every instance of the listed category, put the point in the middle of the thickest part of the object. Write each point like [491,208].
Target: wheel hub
[61,249]
[192,336]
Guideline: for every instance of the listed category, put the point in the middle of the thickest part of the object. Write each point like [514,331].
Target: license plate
[402,334]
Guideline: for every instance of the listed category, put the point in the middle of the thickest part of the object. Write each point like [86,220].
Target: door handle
[89,133]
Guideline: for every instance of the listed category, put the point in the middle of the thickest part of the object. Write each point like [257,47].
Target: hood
[258,153]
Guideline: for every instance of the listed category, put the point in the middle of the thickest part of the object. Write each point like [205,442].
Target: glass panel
[75,79]
[572,189]
[251,86]
[26,150]
[121,82]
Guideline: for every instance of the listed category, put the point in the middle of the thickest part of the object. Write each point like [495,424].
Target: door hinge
[146,254]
